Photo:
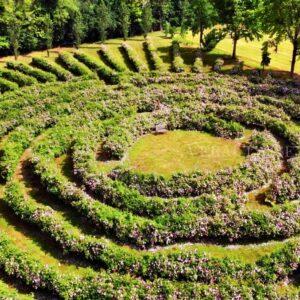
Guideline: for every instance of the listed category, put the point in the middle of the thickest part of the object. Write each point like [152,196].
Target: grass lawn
[184,152]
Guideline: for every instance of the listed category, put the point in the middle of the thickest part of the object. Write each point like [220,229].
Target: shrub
[178,64]
[103,71]
[198,65]
[110,59]
[73,65]
[218,64]
[132,57]
[55,69]
[211,39]
[40,75]
[6,85]
[17,77]
[155,60]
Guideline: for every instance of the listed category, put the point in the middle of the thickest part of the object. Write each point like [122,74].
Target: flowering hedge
[77,118]
[23,266]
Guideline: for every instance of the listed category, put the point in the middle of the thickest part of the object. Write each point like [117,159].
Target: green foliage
[57,70]
[102,70]
[48,33]
[132,57]
[110,59]
[40,75]
[104,19]
[17,77]
[211,39]
[240,19]
[6,85]
[4,44]
[281,20]
[266,59]
[73,65]
[155,60]
[178,63]
[203,16]
[146,18]
[124,17]
[198,65]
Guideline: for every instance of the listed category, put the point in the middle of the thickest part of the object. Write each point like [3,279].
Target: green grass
[183,152]
[245,253]
[250,53]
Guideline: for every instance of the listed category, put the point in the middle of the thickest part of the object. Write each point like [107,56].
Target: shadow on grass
[126,59]
[164,53]
[148,58]
[188,55]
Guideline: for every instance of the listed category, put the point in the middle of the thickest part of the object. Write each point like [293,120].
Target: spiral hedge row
[138,234]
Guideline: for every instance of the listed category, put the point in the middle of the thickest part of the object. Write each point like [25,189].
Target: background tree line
[27,25]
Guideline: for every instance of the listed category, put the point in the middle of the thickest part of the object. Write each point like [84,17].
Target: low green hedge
[177,63]
[6,85]
[55,69]
[102,70]
[73,65]
[133,59]
[198,65]
[110,59]
[40,75]
[155,60]
[17,77]
[21,265]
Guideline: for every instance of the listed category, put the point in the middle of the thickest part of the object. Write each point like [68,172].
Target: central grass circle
[184,152]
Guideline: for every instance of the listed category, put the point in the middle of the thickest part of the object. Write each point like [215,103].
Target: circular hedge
[136,217]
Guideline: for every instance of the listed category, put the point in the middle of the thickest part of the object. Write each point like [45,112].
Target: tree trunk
[235,40]
[295,49]
[201,36]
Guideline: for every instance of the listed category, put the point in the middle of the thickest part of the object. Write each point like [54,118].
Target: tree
[240,20]
[104,19]
[147,18]
[266,59]
[4,44]
[281,19]
[203,16]
[14,33]
[48,33]
[184,17]
[77,29]
[124,17]
[161,10]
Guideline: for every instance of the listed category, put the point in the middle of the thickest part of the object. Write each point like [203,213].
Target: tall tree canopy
[281,19]
[203,16]
[240,20]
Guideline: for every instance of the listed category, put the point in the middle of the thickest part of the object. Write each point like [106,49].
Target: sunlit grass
[183,152]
